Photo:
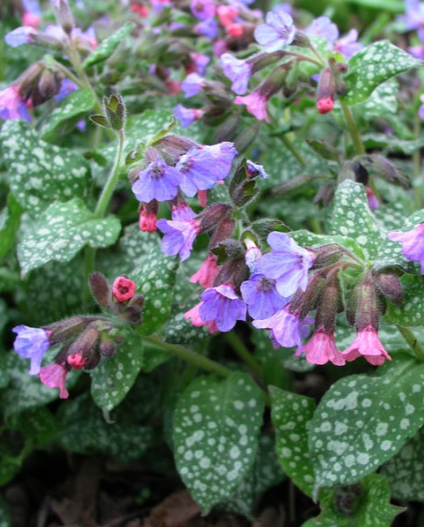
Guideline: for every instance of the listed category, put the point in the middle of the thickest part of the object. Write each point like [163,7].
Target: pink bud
[235,30]
[147,220]
[325,105]
[77,361]
[202,196]
[123,288]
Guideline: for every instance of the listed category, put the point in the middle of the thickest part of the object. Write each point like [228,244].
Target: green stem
[354,134]
[112,180]
[239,347]
[413,343]
[321,61]
[304,58]
[190,356]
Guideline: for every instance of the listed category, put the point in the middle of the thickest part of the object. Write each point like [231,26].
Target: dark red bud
[100,289]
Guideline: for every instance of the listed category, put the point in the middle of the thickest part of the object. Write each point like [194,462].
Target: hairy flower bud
[100,289]
[86,345]
[330,303]
[66,329]
[173,147]
[326,91]
[390,287]
[368,308]
[63,15]
[327,255]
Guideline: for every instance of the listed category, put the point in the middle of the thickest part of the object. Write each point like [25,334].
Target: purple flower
[323,27]
[279,31]
[253,169]
[261,296]
[192,84]
[54,376]
[203,9]
[238,71]
[412,244]
[348,44]
[20,36]
[208,28]
[31,343]
[421,110]
[179,236]
[417,51]
[414,17]
[198,63]
[66,88]
[255,104]
[12,106]
[223,306]
[201,168]
[187,116]
[32,6]
[157,181]
[288,263]
[182,212]
[287,328]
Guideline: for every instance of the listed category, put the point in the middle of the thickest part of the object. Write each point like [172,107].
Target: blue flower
[192,84]
[238,71]
[288,264]
[31,343]
[279,31]
[20,36]
[157,181]
[179,236]
[186,116]
[222,306]
[261,296]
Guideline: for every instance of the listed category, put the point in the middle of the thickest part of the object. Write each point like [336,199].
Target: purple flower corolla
[208,28]
[222,306]
[201,168]
[192,85]
[324,27]
[31,343]
[287,328]
[253,169]
[261,296]
[54,376]
[203,9]
[179,236]
[182,212]
[255,104]
[198,64]
[66,88]
[253,256]
[238,71]
[417,51]
[414,17]
[348,45]
[186,116]
[279,31]
[20,36]
[421,109]
[157,181]
[32,6]
[12,106]
[412,244]
[288,264]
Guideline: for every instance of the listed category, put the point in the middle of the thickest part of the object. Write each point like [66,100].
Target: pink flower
[147,220]
[54,376]
[322,349]
[207,272]
[77,361]
[255,104]
[325,105]
[368,345]
[194,315]
[123,288]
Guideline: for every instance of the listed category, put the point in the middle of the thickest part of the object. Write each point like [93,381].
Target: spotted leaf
[61,231]
[216,426]
[114,377]
[372,66]
[39,172]
[352,218]
[108,46]
[291,415]
[362,421]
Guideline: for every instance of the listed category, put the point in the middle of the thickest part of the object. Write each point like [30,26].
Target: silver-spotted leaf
[63,230]
[362,421]
[291,416]
[216,426]
[108,46]
[372,66]
[39,172]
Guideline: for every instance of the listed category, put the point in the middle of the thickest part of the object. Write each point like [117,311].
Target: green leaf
[291,416]
[405,470]
[37,424]
[167,129]
[393,143]
[124,439]
[383,101]
[216,427]
[108,46]
[309,239]
[39,172]
[353,218]
[9,467]
[155,280]
[394,6]
[75,104]
[362,421]
[5,520]
[114,377]
[265,473]
[411,312]
[364,505]
[372,66]
[9,224]
[63,230]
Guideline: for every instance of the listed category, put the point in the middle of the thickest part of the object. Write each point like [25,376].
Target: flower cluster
[83,340]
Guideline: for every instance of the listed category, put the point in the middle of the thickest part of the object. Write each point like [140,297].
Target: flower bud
[66,329]
[123,288]
[133,315]
[327,255]
[233,271]
[368,308]
[213,215]
[326,91]
[100,289]
[246,137]
[148,216]
[305,301]
[28,81]
[227,130]
[107,348]
[274,82]
[330,303]
[384,168]
[172,147]
[86,345]
[115,112]
[390,287]
[63,15]
[223,231]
